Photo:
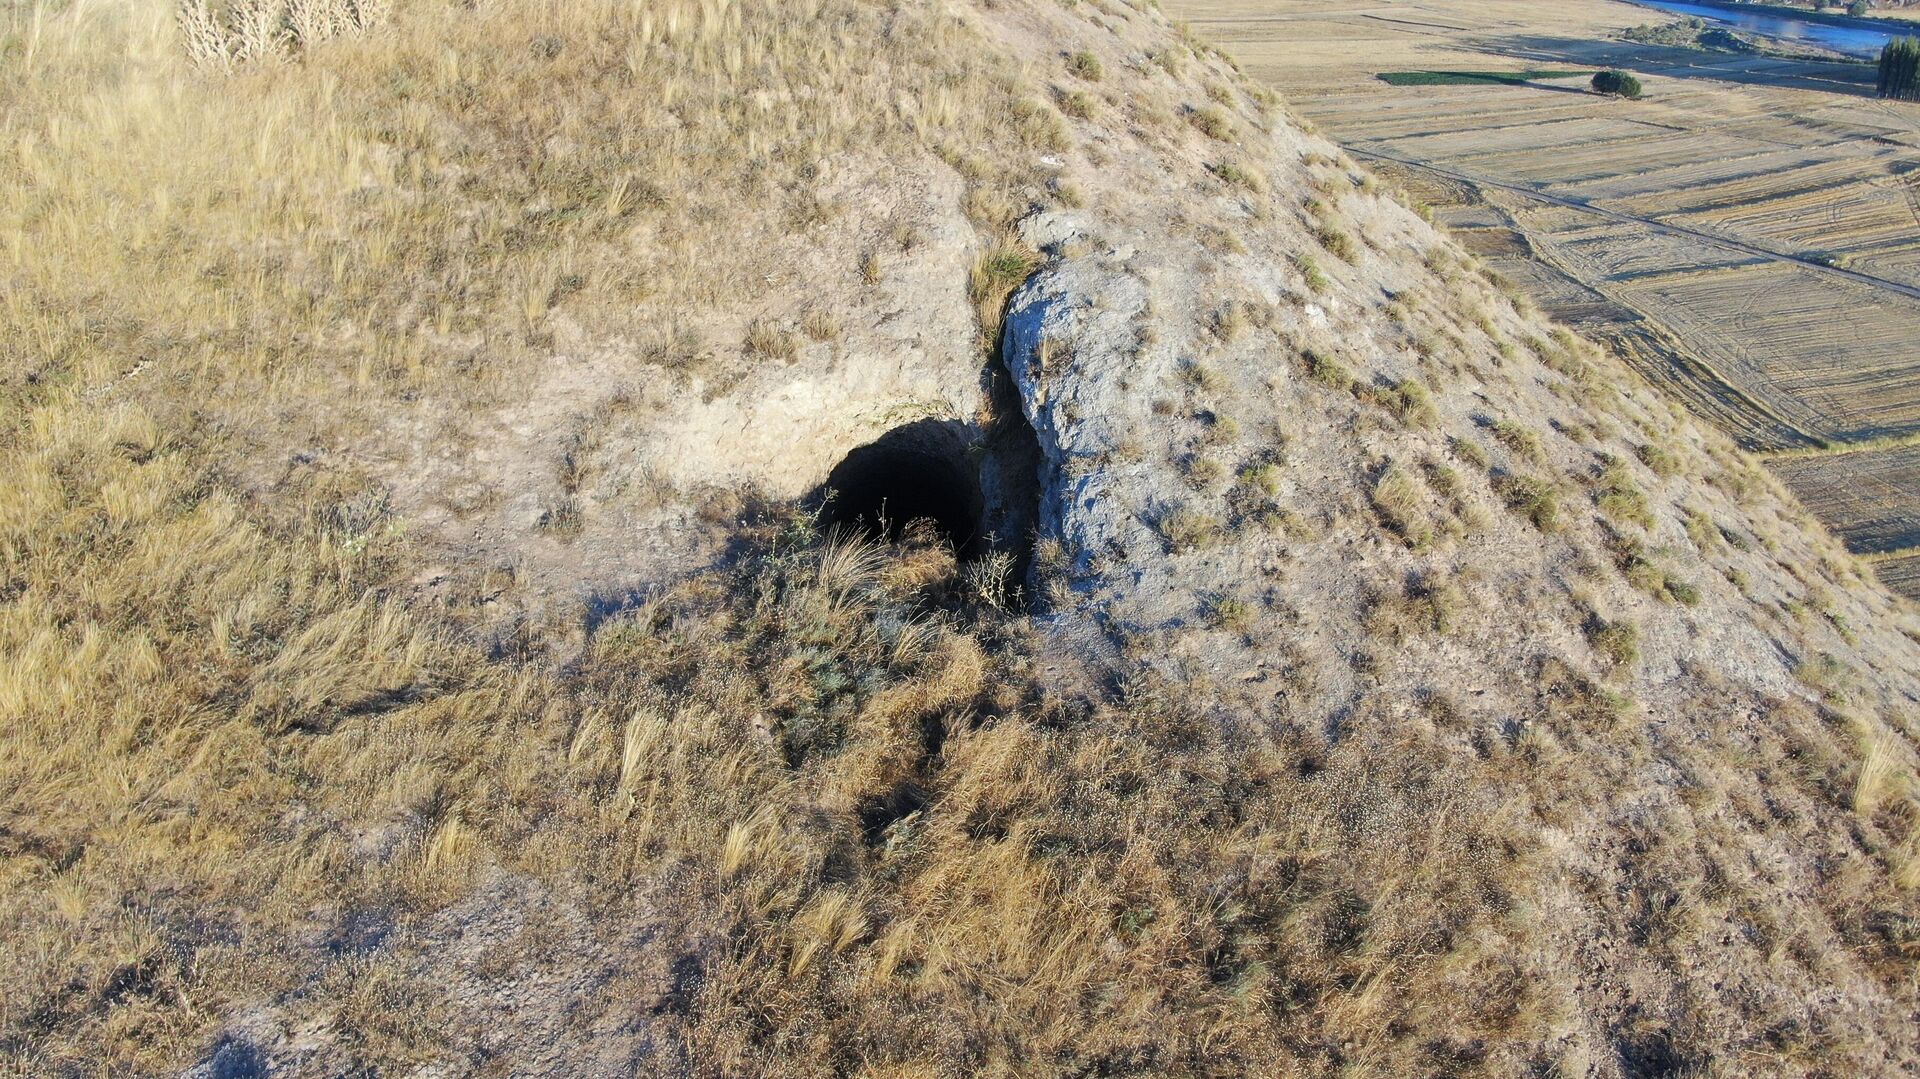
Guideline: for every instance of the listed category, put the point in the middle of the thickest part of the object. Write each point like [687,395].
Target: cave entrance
[921,471]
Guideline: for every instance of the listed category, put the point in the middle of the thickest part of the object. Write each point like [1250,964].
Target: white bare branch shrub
[270,31]
[204,37]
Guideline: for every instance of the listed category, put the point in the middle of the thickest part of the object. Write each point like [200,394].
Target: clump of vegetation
[1212,122]
[1428,604]
[1326,370]
[1338,243]
[1239,176]
[1826,673]
[1617,84]
[767,341]
[1618,641]
[1619,498]
[1229,321]
[1086,65]
[1444,480]
[1397,496]
[1576,704]
[1219,430]
[1262,476]
[1518,438]
[820,325]
[1409,402]
[1202,472]
[1079,104]
[1684,33]
[1663,461]
[996,273]
[1201,376]
[1187,529]
[1701,530]
[1536,499]
[1315,277]
[1641,571]
[1228,613]
[676,348]
[265,33]
[1470,452]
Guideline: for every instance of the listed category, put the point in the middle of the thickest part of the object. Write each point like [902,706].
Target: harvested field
[1494,243]
[1756,325]
[1599,251]
[1901,574]
[1748,236]
[1871,498]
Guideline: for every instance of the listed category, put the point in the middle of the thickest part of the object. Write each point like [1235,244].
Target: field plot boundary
[1843,449]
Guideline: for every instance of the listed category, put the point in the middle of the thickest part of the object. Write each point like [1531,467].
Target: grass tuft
[996,272]
[1536,499]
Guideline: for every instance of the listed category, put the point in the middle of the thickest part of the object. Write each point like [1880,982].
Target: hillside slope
[418,654]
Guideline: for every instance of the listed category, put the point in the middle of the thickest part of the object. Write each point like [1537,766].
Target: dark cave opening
[921,471]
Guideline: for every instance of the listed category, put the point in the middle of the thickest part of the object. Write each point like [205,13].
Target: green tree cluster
[1617,83]
[1900,69]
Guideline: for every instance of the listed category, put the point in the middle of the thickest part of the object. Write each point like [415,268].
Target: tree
[1900,69]
[1858,8]
[1617,83]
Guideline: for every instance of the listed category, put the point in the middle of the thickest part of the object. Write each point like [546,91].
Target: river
[1854,41]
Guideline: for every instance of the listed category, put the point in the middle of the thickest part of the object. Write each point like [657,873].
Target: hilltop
[424,648]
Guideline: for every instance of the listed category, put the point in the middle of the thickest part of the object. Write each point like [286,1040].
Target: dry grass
[1212,122]
[1619,498]
[820,813]
[1188,529]
[354,222]
[1536,499]
[904,850]
[996,273]
[1618,641]
[1401,502]
[207,699]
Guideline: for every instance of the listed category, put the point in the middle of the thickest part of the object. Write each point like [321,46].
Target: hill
[423,649]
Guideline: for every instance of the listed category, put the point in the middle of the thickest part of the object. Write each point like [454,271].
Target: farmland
[1746,235]
[1857,492]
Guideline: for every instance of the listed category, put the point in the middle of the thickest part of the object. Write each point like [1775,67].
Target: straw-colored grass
[830,810]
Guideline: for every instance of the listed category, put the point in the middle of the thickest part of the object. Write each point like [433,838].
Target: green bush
[1617,83]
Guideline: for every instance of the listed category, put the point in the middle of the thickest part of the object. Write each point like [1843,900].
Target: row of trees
[1900,69]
